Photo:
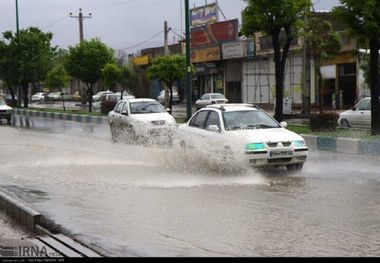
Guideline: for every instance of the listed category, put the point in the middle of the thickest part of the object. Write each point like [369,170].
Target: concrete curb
[19,210]
[343,145]
[62,116]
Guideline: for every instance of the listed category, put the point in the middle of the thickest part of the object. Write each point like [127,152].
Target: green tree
[86,61]
[277,19]
[57,77]
[111,74]
[324,43]
[363,20]
[7,70]
[168,69]
[29,54]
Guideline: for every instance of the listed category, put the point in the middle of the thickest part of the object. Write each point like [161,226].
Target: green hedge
[324,122]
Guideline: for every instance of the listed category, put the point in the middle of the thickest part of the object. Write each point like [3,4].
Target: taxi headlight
[299,144]
[254,147]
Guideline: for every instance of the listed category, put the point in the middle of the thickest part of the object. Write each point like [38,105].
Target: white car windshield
[245,120]
[2,102]
[146,107]
[217,97]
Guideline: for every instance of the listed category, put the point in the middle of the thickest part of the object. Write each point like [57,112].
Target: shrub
[324,122]
[107,106]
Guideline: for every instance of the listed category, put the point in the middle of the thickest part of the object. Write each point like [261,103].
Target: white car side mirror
[213,128]
[284,124]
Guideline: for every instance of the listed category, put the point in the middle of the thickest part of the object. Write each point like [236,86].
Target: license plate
[279,154]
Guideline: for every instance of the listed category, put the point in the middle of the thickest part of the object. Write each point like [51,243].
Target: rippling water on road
[130,200]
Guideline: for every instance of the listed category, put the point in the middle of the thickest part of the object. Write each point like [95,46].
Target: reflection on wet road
[131,200]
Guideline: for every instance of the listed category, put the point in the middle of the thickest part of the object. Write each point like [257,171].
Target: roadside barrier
[343,145]
[62,116]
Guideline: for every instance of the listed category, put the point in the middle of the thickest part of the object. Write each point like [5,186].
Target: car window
[205,97]
[213,119]
[125,108]
[199,120]
[217,97]
[118,107]
[246,120]
[369,106]
[146,107]
[2,102]
[362,105]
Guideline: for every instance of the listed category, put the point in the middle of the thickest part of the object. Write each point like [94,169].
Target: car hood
[5,107]
[148,118]
[265,135]
[345,113]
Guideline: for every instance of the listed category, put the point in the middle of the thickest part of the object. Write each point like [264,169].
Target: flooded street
[131,200]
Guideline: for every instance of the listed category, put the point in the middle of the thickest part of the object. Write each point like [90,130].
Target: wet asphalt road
[130,200]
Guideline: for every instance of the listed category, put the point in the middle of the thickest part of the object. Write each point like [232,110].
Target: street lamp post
[188,62]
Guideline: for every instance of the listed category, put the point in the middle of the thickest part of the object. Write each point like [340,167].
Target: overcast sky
[121,24]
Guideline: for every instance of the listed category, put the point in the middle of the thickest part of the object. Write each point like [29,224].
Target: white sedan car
[161,97]
[141,120]
[39,97]
[358,117]
[233,131]
[209,99]
[6,112]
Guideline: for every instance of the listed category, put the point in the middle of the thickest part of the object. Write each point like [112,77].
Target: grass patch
[299,129]
[342,133]
[181,120]
[78,112]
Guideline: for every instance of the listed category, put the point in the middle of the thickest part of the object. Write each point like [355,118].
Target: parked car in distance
[176,98]
[141,120]
[209,99]
[116,97]
[230,131]
[98,96]
[358,117]
[39,97]
[6,111]
[57,96]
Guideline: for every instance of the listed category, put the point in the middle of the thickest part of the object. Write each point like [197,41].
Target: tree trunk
[280,64]
[12,95]
[319,73]
[25,91]
[374,83]
[122,92]
[89,93]
[170,97]
[63,100]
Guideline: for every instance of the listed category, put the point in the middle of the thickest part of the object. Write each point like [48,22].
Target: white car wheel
[345,124]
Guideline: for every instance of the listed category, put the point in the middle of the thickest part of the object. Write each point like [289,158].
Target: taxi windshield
[247,120]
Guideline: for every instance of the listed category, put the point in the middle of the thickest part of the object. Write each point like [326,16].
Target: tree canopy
[282,17]
[168,69]
[26,57]
[363,21]
[86,61]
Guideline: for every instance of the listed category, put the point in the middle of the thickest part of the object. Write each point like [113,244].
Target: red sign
[215,33]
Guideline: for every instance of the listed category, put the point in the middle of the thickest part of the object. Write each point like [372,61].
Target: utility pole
[81,17]
[81,38]
[306,94]
[166,41]
[17,32]
[166,53]
[188,62]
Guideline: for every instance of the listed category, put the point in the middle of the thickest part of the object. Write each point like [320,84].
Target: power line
[144,42]
[56,22]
